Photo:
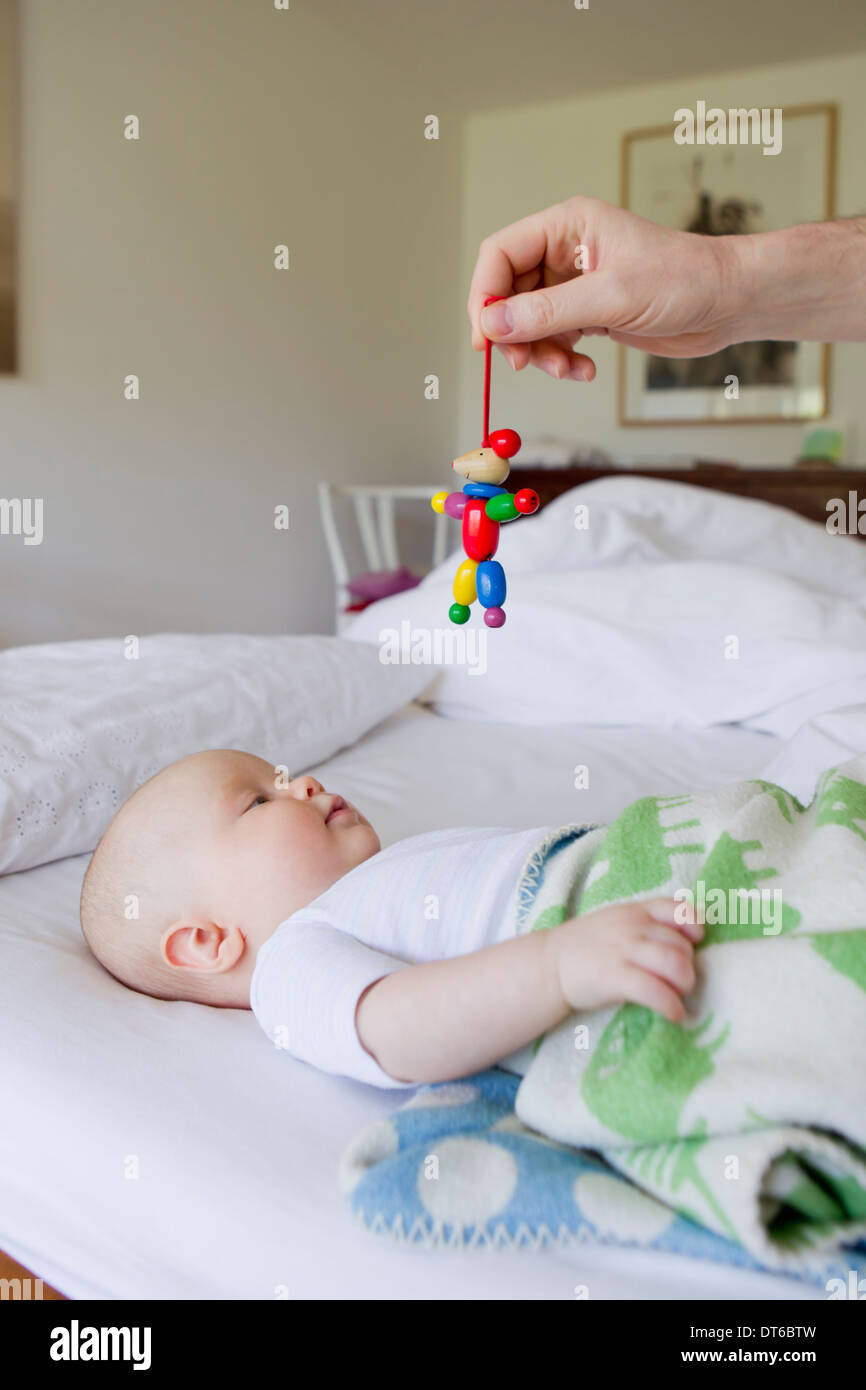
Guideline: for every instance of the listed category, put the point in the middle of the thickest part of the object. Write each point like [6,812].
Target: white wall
[257,127]
[154,257]
[521,160]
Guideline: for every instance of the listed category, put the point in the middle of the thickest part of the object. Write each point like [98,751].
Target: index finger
[676,912]
[502,257]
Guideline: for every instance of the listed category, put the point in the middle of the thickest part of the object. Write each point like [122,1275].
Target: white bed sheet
[236,1145]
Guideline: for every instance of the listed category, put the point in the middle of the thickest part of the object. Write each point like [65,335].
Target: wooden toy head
[482,466]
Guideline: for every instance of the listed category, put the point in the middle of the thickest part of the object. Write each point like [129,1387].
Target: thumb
[586,301]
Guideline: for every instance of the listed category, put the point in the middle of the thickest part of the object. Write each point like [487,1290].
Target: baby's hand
[639,953]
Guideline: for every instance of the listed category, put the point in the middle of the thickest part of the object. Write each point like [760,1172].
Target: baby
[222,883]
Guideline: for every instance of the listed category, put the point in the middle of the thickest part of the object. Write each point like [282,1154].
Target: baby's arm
[449,1018]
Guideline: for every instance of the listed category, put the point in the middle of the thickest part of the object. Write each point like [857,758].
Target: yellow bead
[437,502]
[464,582]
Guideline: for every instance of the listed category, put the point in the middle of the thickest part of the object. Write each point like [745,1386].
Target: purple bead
[455,504]
[494,617]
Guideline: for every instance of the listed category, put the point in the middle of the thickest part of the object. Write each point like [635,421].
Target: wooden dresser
[803,490]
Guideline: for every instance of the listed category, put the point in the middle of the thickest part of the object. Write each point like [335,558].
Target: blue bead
[482,489]
[490,584]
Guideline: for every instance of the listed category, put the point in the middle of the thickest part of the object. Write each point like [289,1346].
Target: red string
[491,298]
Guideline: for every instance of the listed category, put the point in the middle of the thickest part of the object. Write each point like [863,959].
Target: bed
[162,1150]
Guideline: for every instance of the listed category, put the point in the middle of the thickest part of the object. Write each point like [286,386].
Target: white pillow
[677,606]
[82,724]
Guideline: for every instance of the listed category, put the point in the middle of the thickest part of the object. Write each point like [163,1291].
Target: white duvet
[633,601]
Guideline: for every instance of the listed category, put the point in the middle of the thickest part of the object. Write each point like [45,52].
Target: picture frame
[8,186]
[730,188]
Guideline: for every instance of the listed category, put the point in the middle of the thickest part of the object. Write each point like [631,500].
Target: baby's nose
[305,787]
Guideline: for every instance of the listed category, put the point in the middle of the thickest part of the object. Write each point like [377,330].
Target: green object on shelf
[823,444]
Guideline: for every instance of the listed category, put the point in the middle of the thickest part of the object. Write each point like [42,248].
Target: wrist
[366,1018]
[553,944]
[800,283]
[762,282]
[734,274]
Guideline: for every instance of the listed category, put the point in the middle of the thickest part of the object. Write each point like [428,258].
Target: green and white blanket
[749,1117]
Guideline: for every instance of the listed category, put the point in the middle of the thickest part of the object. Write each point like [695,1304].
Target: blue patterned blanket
[454,1167]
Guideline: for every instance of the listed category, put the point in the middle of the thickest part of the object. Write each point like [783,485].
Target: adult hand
[643,285]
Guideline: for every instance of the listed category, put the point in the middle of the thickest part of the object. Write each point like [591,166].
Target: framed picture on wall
[8,185]
[728,189]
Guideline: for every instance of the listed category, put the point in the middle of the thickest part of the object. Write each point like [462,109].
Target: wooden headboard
[803,490]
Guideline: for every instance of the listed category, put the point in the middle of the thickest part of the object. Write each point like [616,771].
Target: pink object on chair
[376,584]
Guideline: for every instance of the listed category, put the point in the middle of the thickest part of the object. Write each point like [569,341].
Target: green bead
[501,507]
[458,613]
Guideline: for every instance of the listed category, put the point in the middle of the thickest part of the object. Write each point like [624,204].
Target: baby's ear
[193,943]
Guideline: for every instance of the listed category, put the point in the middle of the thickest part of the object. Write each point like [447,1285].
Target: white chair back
[373,505]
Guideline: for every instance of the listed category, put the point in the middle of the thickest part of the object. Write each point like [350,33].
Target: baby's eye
[259,801]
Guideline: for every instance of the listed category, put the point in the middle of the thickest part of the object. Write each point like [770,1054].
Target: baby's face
[253,848]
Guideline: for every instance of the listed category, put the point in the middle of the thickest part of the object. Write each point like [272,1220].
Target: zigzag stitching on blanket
[431,1234]
[527,893]
[528,887]
[531,877]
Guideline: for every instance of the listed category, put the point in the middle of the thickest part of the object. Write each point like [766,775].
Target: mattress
[156,1149]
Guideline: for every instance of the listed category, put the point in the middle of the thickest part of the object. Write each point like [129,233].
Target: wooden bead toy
[482,505]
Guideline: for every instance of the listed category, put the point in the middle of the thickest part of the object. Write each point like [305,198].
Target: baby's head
[202,864]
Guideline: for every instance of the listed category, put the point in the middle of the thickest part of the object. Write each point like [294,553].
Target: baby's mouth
[338,807]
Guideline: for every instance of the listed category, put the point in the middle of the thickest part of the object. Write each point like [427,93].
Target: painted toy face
[482,466]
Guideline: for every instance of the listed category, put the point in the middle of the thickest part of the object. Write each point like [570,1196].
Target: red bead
[526,500]
[480,534]
[504,443]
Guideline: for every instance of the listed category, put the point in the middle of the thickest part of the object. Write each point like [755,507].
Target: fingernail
[496,320]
